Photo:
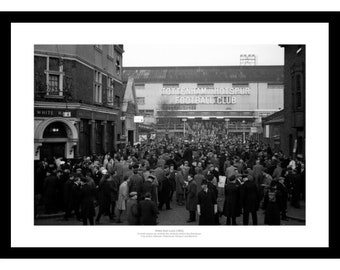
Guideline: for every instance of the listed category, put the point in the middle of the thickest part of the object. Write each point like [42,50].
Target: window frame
[110,91]
[60,73]
[98,87]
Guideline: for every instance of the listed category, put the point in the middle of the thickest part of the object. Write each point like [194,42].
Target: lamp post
[184,120]
[244,134]
[227,121]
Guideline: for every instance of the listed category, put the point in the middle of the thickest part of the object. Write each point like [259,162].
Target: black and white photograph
[124,144]
[191,135]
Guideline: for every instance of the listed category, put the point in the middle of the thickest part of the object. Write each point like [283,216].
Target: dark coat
[273,206]
[232,205]
[68,194]
[50,192]
[132,212]
[87,195]
[191,204]
[148,186]
[148,212]
[187,155]
[250,198]
[179,183]
[135,184]
[172,179]
[105,194]
[206,201]
[166,188]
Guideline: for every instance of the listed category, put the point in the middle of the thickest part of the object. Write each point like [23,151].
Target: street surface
[178,215]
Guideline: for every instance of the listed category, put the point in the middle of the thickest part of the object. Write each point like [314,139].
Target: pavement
[297,213]
[176,216]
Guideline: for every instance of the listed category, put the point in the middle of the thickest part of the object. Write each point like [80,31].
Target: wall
[260,97]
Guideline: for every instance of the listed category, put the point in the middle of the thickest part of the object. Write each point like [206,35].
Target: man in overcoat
[87,197]
[147,210]
[206,205]
[231,207]
[250,200]
[191,203]
[132,209]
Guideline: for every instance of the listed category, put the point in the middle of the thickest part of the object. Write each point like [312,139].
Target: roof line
[234,66]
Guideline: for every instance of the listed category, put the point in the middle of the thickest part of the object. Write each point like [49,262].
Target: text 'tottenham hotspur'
[206,95]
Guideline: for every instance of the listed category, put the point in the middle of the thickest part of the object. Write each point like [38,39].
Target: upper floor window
[97,86]
[110,52]
[110,90]
[117,101]
[54,76]
[118,65]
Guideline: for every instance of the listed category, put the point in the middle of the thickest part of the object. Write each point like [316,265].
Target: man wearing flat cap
[132,209]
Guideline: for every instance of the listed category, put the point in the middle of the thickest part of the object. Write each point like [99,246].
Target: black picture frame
[332,18]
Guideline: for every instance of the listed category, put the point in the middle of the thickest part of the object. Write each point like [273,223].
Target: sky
[198,54]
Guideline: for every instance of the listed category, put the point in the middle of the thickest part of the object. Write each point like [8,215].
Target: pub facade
[78,92]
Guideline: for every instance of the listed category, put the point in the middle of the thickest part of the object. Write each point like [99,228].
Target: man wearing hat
[206,205]
[136,181]
[68,198]
[231,207]
[191,202]
[132,209]
[250,200]
[148,186]
[147,210]
[50,190]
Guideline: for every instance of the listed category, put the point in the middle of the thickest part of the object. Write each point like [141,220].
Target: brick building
[286,129]
[78,92]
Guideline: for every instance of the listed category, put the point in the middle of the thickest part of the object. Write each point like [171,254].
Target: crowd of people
[137,182]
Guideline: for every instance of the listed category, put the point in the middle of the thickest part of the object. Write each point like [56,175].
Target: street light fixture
[227,121]
[184,120]
[244,134]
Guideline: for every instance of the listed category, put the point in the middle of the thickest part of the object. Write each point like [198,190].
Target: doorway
[52,149]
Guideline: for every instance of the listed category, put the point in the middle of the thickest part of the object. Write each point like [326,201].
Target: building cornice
[75,106]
